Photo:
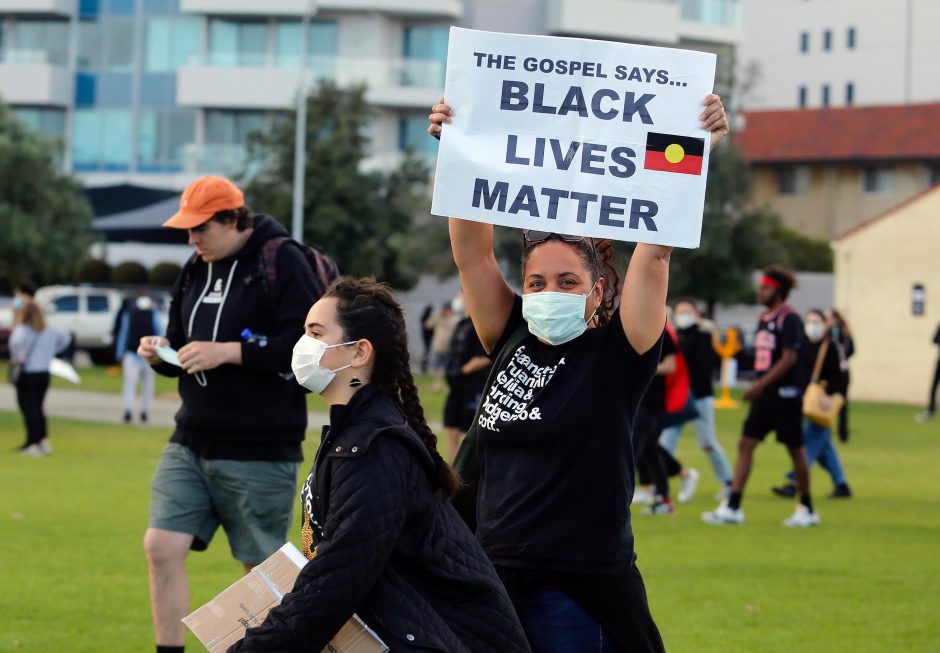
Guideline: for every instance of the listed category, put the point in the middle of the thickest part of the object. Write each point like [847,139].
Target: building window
[425,50]
[933,175]
[412,136]
[802,97]
[877,180]
[804,41]
[827,40]
[102,140]
[825,95]
[37,41]
[48,122]
[162,138]
[792,180]
[849,94]
[850,38]
[321,47]
[106,45]
[170,43]
[232,127]
[238,42]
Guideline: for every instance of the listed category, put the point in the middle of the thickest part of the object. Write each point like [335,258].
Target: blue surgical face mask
[17,303]
[556,317]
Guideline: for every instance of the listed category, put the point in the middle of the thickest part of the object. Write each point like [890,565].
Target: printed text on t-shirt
[511,394]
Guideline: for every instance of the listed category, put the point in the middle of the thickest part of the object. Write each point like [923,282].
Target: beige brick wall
[875,270]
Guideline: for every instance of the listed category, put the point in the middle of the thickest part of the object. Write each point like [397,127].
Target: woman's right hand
[441,113]
[147,349]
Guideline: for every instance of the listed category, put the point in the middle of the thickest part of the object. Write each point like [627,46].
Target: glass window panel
[850,38]
[66,304]
[116,140]
[121,7]
[157,89]
[223,42]
[119,43]
[88,7]
[163,137]
[40,41]
[412,134]
[322,47]
[252,44]
[232,127]
[48,122]
[114,89]
[160,7]
[425,56]
[238,43]
[170,43]
[86,139]
[89,45]
[288,44]
[97,303]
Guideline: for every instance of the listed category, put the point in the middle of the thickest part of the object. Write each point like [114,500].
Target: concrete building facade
[887,284]
[819,53]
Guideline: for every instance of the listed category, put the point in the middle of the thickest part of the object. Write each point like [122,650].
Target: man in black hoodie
[233,458]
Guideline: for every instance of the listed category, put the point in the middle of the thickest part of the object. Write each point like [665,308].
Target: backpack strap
[323,268]
[467,461]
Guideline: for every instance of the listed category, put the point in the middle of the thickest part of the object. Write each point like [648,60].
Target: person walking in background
[840,335]
[426,334]
[695,343]
[466,372]
[33,345]
[927,415]
[137,319]
[776,400]
[23,293]
[382,541]
[818,438]
[234,456]
[443,323]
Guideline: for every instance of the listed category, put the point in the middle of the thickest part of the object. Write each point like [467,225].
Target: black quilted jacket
[390,549]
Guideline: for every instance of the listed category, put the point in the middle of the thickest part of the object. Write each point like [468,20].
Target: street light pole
[300,129]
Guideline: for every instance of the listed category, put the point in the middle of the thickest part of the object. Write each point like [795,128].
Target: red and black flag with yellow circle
[671,153]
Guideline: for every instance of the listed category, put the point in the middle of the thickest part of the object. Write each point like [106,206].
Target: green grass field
[74,575]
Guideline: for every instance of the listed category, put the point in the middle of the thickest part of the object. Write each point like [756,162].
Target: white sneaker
[33,451]
[802,518]
[925,416]
[723,514]
[688,485]
[45,446]
[642,498]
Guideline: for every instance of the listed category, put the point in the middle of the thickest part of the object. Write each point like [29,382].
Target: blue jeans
[554,623]
[704,426]
[819,449]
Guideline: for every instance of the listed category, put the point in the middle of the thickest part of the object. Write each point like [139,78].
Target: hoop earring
[355,382]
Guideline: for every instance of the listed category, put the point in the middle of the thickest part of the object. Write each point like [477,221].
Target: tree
[93,270]
[364,220]
[44,217]
[129,273]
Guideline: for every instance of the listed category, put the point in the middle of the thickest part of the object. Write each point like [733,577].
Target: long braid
[367,310]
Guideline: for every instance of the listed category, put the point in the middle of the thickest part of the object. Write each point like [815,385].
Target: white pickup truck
[87,312]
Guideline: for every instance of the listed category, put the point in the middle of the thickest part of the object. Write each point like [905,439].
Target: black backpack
[324,269]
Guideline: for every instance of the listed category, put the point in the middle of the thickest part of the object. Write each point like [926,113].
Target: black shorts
[785,419]
[459,409]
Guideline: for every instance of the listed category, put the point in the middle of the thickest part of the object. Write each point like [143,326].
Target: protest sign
[575,136]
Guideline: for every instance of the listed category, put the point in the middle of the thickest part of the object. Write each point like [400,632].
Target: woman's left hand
[714,119]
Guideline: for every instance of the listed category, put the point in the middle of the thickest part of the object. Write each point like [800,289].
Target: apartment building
[838,53]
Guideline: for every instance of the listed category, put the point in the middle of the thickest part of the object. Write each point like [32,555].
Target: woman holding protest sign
[549,462]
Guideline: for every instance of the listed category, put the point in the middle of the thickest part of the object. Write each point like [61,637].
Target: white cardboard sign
[575,136]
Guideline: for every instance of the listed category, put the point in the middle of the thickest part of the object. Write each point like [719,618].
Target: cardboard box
[222,621]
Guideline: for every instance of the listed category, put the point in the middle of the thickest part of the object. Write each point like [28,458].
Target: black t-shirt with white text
[779,330]
[556,453]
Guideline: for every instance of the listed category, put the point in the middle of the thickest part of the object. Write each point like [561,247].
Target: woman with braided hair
[552,444]
[382,540]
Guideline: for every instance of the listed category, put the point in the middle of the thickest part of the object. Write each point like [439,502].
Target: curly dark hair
[783,276]
[242,217]
[366,310]
[597,256]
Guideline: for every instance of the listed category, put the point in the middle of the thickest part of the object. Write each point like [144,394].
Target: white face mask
[814,331]
[684,320]
[458,305]
[305,363]
[556,317]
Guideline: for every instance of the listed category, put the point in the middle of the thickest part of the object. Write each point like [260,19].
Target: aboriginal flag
[671,153]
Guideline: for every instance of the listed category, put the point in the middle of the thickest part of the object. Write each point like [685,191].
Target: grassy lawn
[74,575]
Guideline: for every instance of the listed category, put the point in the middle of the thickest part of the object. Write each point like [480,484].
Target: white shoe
[642,498]
[688,485]
[925,416]
[33,451]
[45,446]
[802,518]
[723,514]
[723,494]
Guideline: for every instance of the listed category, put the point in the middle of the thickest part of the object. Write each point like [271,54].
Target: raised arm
[646,282]
[486,293]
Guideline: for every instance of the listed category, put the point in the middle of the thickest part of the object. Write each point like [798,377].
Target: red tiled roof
[906,132]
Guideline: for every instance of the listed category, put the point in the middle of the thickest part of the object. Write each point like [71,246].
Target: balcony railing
[33,56]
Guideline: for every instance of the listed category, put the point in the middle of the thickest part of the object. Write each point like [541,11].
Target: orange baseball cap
[204,198]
